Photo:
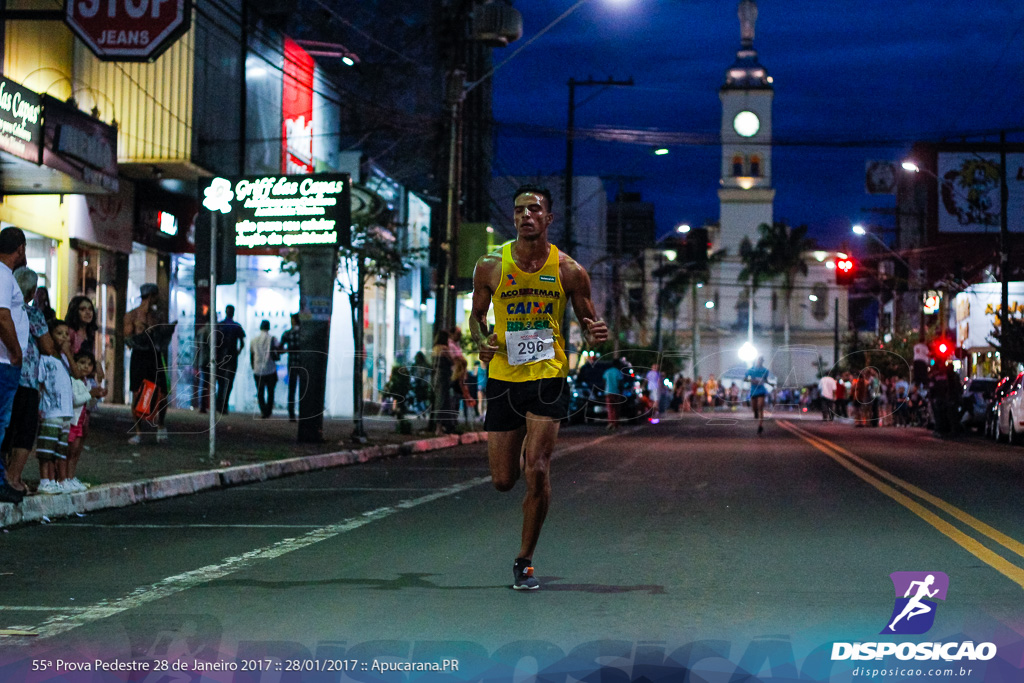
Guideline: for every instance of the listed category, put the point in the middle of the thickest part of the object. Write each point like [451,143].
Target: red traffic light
[845,270]
[942,348]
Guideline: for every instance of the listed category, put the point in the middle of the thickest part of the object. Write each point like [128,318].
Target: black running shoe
[522,570]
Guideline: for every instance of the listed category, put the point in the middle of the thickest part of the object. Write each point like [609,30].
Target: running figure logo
[914,613]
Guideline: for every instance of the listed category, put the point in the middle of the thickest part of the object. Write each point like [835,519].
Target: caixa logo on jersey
[913,613]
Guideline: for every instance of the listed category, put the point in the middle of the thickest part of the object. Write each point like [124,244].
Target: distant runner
[758,378]
[529,283]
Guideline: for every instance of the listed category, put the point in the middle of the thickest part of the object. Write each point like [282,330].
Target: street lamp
[748,352]
[1004,227]
[859,230]
[457,89]
[683,228]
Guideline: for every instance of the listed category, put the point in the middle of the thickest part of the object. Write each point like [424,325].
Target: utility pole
[1004,240]
[617,297]
[570,239]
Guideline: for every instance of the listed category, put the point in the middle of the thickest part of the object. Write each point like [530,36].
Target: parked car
[1010,413]
[978,392]
[992,406]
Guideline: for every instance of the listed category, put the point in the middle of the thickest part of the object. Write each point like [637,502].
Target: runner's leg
[542,434]
[503,449]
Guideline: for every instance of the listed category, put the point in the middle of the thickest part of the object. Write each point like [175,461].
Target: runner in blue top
[758,378]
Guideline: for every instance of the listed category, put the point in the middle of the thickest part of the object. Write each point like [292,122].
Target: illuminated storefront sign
[284,211]
[20,120]
[297,110]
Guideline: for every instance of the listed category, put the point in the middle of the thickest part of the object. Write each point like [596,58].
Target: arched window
[755,166]
[737,166]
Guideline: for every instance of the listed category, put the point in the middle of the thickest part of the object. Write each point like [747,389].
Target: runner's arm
[488,269]
[576,282]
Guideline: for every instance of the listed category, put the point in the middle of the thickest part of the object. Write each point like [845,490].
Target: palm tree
[678,278]
[755,271]
[779,254]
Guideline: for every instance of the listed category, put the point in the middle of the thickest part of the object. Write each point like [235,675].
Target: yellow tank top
[526,306]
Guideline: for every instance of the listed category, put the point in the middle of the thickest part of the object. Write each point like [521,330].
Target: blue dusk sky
[853,81]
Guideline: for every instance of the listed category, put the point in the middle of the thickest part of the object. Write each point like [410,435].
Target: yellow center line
[953,511]
[971,545]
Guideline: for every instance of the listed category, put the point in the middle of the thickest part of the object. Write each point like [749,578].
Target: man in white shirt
[13,337]
[827,393]
[264,368]
[653,378]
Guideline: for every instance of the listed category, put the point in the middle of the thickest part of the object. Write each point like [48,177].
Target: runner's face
[531,215]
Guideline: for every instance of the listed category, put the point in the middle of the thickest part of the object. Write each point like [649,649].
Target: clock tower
[746,194]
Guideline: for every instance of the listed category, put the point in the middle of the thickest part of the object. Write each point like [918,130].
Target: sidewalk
[248,449]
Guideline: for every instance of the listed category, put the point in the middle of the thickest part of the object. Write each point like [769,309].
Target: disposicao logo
[913,614]
[916,592]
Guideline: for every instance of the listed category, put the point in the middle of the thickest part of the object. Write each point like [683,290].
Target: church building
[728,314]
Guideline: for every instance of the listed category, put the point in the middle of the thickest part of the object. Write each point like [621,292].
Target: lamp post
[456,94]
[861,231]
[1004,228]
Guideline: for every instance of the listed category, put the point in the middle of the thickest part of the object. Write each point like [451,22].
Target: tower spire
[748,18]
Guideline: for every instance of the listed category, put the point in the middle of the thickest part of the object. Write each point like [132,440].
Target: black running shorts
[509,402]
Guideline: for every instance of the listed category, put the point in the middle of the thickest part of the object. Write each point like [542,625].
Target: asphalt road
[692,544]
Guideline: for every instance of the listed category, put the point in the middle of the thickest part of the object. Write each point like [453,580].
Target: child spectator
[85,391]
[56,408]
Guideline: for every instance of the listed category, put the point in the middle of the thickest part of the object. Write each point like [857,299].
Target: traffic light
[846,269]
[942,349]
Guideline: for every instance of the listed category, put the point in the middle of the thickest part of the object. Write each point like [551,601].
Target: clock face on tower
[746,124]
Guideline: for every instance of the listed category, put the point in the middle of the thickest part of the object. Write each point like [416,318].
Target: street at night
[692,539]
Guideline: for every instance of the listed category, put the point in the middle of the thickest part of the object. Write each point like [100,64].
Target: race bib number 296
[530,346]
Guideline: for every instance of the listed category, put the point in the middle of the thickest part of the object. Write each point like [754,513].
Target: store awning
[51,147]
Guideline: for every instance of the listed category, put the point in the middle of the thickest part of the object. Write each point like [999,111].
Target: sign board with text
[276,212]
[128,30]
[21,120]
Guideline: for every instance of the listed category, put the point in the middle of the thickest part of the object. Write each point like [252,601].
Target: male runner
[529,282]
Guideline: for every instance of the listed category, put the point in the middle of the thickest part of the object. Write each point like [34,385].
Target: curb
[41,508]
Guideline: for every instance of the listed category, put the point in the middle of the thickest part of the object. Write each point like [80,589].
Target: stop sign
[128,30]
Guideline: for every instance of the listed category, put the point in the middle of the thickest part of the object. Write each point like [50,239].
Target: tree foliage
[1010,344]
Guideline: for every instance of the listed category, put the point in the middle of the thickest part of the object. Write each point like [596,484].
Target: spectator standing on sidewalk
[653,379]
[230,342]
[827,393]
[262,352]
[148,335]
[85,390]
[481,389]
[20,437]
[442,417]
[14,334]
[42,302]
[202,359]
[56,408]
[81,320]
[291,343]
[613,394]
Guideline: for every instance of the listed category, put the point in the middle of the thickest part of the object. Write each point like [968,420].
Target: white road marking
[73,524]
[70,619]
